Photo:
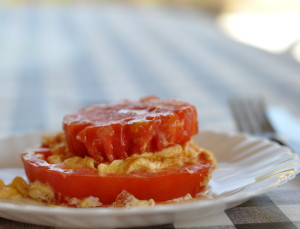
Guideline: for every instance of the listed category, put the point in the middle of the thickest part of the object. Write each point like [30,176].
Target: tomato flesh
[109,132]
[161,186]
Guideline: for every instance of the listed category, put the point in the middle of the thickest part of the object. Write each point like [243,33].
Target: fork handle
[288,143]
[275,139]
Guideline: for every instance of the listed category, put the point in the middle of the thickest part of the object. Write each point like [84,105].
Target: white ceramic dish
[247,167]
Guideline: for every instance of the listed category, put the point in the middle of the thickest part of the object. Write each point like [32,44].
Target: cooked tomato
[81,183]
[108,132]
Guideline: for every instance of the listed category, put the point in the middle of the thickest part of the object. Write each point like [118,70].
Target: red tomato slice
[161,186]
[109,132]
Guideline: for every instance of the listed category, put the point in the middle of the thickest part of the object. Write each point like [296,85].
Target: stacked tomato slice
[109,132]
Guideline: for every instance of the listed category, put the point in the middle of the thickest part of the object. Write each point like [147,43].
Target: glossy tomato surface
[109,132]
[161,186]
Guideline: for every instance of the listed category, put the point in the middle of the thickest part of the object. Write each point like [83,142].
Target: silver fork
[250,117]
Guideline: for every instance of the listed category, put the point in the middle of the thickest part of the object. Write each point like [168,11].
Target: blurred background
[57,56]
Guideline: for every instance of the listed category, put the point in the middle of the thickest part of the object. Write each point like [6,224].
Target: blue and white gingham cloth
[56,58]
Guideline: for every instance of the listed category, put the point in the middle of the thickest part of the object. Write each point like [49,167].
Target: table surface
[57,58]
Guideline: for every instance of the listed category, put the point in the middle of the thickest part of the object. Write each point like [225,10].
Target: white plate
[247,167]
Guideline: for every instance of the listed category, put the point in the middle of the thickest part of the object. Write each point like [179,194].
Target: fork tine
[253,114]
[239,113]
[265,123]
[258,107]
[235,113]
[248,114]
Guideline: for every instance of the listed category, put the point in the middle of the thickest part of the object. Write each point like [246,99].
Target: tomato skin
[160,186]
[109,132]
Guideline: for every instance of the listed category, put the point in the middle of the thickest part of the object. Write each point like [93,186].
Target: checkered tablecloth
[55,58]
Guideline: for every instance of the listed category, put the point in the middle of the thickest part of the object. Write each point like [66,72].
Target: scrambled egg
[41,192]
[88,202]
[19,188]
[172,157]
[57,144]
[8,192]
[125,199]
[78,162]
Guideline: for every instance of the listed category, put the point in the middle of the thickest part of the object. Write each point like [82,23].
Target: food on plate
[8,191]
[132,153]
